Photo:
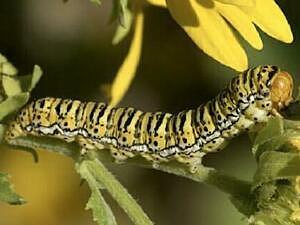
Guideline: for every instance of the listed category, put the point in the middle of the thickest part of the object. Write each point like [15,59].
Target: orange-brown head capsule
[281,90]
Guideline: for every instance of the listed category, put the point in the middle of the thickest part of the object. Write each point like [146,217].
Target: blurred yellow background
[72,44]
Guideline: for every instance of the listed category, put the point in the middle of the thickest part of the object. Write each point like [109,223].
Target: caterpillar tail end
[13,131]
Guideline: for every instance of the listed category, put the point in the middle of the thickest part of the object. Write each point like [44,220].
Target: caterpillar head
[281,90]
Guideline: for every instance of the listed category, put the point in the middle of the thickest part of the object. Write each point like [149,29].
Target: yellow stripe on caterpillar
[251,97]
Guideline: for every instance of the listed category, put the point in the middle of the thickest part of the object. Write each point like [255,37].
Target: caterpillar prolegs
[251,97]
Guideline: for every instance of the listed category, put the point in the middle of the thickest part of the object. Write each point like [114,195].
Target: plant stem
[118,192]
[236,188]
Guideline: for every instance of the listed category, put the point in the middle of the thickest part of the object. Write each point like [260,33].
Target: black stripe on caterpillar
[251,97]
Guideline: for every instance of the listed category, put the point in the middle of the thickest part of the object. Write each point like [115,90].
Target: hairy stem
[237,189]
[117,191]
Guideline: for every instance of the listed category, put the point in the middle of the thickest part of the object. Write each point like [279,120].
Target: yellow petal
[160,3]
[183,12]
[213,34]
[238,2]
[128,68]
[242,23]
[269,17]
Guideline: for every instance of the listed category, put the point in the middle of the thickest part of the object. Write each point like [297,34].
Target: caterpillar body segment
[250,98]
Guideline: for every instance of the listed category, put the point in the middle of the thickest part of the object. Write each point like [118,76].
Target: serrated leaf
[282,143]
[7,193]
[282,207]
[276,165]
[273,144]
[11,85]
[12,104]
[122,31]
[266,192]
[117,191]
[101,211]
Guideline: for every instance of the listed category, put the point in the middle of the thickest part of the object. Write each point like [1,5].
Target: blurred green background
[72,44]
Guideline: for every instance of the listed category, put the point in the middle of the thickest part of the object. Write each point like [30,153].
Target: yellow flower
[207,23]
[127,70]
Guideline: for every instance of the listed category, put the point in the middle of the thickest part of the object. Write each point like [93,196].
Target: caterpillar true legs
[251,97]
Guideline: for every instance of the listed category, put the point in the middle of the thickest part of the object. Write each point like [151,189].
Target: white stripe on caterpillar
[251,97]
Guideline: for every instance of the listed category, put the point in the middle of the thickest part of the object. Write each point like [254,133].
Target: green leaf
[271,132]
[273,128]
[28,82]
[36,76]
[280,207]
[274,144]
[101,211]
[117,191]
[6,67]
[275,166]
[12,104]
[98,2]
[121,12]
[17,84]
[7,193]
[11,85]
[3,59]
[122,31]
[263,219]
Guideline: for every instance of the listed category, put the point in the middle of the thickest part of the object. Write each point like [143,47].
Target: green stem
[236,188]
[118,192]
[225,183]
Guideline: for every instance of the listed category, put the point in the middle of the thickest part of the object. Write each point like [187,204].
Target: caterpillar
[251,97]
